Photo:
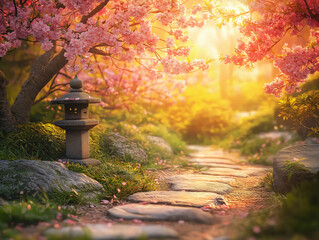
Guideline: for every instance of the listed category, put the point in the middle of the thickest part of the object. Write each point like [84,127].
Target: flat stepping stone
[107,232]
[234,172]
[199,148]
[218,165]
[208,154]
[161,213]
[200,177]
[200,186]
[212,160]
[179,198]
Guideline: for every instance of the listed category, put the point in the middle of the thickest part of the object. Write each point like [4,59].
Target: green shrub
[33,141]
[247,127]
[294,215]
[300,212]
[260,151]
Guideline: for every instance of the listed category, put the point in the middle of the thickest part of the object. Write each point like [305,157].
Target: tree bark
[7,122]
[42,71]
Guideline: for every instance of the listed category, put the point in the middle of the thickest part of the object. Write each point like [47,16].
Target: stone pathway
[191,208]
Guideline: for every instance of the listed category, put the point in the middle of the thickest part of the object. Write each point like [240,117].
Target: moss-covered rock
[295,164]
[32,178]
[161,143]
[118,145]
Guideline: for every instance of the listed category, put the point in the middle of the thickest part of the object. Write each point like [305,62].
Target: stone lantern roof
[76,95]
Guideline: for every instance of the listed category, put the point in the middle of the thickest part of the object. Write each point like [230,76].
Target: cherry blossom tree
[267,27]
[72,33]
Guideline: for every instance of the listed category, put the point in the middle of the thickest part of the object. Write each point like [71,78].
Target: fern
[294,166]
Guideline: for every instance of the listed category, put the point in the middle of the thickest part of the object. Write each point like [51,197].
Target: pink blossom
[104,202]
[256,229]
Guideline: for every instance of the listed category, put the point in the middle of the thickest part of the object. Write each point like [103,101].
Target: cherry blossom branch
[309,10]
[15,8]
[85,18]
[94,50]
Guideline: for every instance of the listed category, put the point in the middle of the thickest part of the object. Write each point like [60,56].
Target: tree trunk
[43,70]
[7,122]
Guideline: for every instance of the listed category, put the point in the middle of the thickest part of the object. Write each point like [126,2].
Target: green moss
[33,141]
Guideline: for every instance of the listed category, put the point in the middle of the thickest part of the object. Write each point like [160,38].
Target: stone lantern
[77,123]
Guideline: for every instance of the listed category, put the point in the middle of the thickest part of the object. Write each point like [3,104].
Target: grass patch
[294,216]
[119,178]
[33,141]
[261,151]
[14,215]
[268,181]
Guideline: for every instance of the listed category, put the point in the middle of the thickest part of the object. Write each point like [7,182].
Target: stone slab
[226,172]
[207,154]
[212,160]
[200,186]
[218,165]
[249,171]
[179,198]
[198,148]
[108,232]
[161,213]
[200,177]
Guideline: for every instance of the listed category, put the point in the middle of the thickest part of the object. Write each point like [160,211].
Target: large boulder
[161,143]
[310,155]
[119,145]
[32,177]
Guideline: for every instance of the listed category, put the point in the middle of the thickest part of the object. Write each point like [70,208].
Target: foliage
[293,166]
[296,214]
[247,127]
[269,27]
[268,181]
[244,136]
[33,141]
[120,31]
[250,94]
[119,178]
[199,115]
[65,197]
[111,44]
[28,212]
[259,150]
[302,111]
